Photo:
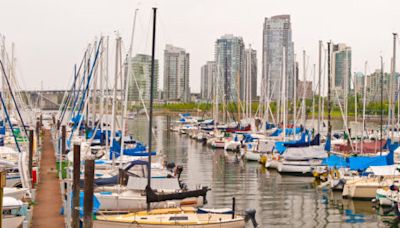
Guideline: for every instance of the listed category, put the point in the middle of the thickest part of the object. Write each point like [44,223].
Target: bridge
[51,99]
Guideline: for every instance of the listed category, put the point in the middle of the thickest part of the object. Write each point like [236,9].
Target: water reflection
[280,201]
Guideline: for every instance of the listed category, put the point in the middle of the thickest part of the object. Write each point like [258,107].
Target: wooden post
[76,186]
[41,120]
[233,207]
[37,132]
[2,185]
[58,125]
[88,197]
[63,140]
[30,154]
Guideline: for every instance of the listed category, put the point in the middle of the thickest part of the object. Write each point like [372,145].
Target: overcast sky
[50,36]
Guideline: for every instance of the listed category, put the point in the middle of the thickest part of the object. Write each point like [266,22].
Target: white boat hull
[108,224]
[252,156]
[12,222]
[132,203]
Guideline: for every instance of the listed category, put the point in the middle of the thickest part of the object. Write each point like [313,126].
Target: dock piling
[88,196]
[76,186]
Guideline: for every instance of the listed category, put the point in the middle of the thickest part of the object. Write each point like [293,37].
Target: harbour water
[280,201]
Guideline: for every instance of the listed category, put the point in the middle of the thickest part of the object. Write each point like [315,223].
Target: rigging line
[9,122]
[13,98]
[76,77]
[94,64]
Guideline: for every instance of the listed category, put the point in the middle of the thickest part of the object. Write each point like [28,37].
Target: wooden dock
[46,212]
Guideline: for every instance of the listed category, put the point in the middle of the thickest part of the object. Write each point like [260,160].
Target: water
[280,201]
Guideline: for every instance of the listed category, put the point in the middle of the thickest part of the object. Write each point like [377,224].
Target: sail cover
[160,184]
[305,153]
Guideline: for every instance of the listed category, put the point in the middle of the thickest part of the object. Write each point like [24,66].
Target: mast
[151,102]
[294,94]
[394,77]
[319,85]
[364,104]
[113,112]
[224,106]
[303,102]
[381,103]
[284,93]
[329,94]
[128,76]
[313,97]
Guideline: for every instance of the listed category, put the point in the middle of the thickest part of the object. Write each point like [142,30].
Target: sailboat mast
[284,93]
[151,102]
[329,94]
[313,97]
[126,89]
[114,104]
[303,103]
[381,103]
[319,85]
[394,77]
[364,103]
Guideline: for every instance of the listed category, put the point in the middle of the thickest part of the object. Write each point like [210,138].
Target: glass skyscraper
[277,44]
[139,83]
[176,74]
[229,57]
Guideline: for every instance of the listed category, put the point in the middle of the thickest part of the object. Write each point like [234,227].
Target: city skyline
[45,47]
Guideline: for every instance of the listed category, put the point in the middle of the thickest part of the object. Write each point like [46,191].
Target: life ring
[335,174]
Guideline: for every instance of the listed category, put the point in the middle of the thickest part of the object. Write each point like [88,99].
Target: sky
[51,36]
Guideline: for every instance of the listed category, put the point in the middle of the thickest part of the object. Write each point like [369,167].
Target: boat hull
[13,222]
[297,170]
[107,224]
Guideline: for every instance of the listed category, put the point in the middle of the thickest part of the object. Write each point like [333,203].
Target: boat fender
[170,165]
[250,214]
[178,171]
[396,209]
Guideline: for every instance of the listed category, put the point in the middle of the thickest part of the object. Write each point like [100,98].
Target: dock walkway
[46,212]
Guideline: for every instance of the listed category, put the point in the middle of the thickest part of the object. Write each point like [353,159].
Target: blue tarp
[335,161]
[361,163]
[289,131]
[269,126]
[280,147]
[96,203]
[139,150]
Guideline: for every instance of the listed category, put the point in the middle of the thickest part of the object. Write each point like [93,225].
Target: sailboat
[188,217]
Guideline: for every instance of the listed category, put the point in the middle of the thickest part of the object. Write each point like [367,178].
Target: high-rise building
[341,67]
[208,75]
[248,89]
[139,83]
[229,58]
[277,56]
[176,74]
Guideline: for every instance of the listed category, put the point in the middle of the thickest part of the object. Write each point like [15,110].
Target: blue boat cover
[96,203]
[269,126]
[336,161]
[139,150]
[361,163]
